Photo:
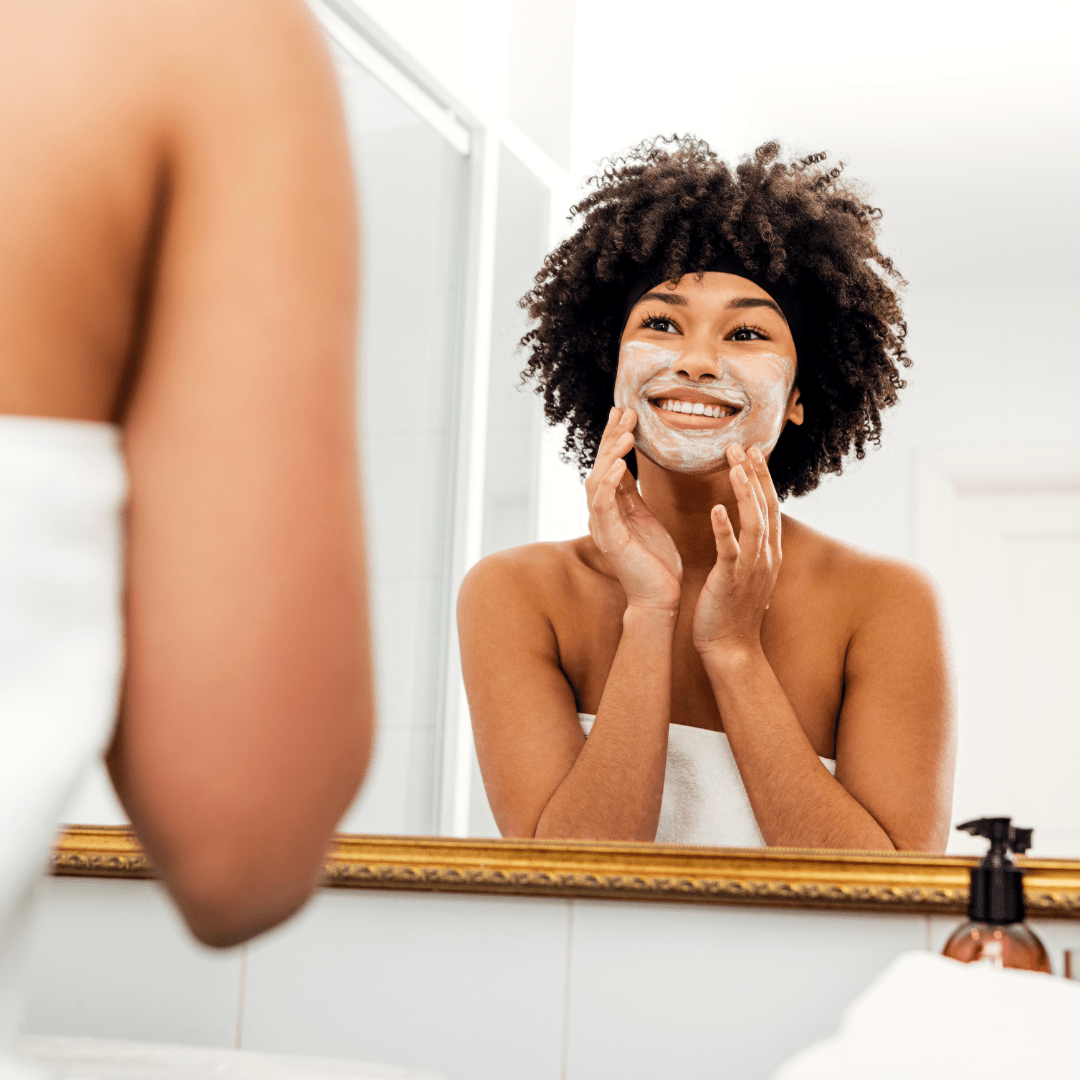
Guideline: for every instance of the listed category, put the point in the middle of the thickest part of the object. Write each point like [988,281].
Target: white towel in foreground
[705,801]
[62,487]
[927,1017]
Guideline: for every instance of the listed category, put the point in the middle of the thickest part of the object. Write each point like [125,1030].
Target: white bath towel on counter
[705,801]
[931,1018]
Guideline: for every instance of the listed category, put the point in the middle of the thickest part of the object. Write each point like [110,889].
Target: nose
[700,365]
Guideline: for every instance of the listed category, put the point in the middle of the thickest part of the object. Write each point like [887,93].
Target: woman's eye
[658,322]
[747,333]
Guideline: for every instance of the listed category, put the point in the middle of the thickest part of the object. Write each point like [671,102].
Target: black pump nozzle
[1021,840]
[997,884]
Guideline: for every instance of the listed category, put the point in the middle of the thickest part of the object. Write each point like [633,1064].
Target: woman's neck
[683,504]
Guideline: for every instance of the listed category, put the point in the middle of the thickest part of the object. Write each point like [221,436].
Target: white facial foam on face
[759,384]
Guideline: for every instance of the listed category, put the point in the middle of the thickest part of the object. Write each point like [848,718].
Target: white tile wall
[706,991]
[470,987]
[112,959]
[475,987]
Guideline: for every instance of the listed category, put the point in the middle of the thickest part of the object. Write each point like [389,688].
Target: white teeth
[697,408]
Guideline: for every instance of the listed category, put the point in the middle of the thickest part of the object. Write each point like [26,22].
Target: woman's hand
[737,591]
[639,548]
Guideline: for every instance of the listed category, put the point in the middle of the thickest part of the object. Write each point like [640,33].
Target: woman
[178,285]
[715,340]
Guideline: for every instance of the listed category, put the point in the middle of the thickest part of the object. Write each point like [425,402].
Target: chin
[684,465]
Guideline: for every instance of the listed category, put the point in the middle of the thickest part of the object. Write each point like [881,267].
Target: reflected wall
[412,190]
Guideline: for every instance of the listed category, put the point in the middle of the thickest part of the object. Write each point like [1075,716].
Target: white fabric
[705,801]
[62,488]
[113,1059]
[933,1018]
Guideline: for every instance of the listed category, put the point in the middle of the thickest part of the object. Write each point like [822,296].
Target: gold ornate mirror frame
[875,881]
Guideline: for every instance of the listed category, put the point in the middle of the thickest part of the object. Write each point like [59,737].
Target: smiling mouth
[693,408]
[698,410]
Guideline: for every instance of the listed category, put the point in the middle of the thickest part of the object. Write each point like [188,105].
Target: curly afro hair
[671,203]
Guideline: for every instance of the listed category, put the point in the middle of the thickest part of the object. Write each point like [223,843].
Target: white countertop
[112,1059]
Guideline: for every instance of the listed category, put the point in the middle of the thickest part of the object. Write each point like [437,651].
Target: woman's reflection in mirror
[701,668]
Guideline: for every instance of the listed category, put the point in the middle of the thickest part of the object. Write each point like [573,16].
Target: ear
[794,412]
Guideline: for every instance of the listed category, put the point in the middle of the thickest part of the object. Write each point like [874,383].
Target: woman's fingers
[772,502]
[616,442]
[606,523]
[727,547]
[750,467]
[752,522]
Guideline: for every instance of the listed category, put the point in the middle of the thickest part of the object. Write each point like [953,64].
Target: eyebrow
[673,298]
[678,300]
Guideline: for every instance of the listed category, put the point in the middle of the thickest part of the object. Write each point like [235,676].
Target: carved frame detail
[845,880]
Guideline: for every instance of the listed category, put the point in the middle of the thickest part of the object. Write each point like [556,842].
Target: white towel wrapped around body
[62,489]
[705,801]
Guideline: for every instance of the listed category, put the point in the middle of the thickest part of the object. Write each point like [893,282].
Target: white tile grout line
[240,996]
[566,990]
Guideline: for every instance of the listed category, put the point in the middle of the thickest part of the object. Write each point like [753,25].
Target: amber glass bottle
[996,932]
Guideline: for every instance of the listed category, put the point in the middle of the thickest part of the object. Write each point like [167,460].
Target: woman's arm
[542,776]
[248,706]
[893,783]
[614,789]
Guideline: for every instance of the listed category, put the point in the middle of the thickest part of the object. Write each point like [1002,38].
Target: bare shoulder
[532,577]
[119,40]
[866,582]
[267,45]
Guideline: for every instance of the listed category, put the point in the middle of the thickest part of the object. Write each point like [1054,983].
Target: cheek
[623,388]
[770,388]
[637,365]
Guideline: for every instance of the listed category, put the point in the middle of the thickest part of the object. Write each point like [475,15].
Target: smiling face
[704,365]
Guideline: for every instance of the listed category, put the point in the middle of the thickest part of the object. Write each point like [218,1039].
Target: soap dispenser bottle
[996,932]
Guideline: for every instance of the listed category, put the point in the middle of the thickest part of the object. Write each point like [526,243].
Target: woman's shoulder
[868,580]
[530,576]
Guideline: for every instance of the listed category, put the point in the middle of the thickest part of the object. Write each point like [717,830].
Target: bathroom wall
[503,58]
[474,987]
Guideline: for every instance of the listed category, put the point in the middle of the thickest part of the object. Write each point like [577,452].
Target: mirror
[978,477]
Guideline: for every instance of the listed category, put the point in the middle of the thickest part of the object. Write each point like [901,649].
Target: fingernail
[756,454]
[737,452]
[720,511]
[740,474]
[611,415]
